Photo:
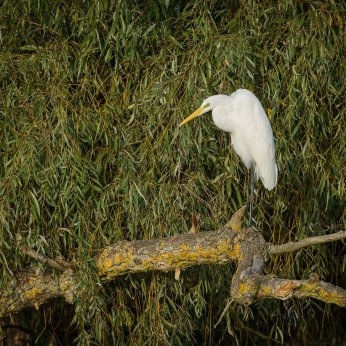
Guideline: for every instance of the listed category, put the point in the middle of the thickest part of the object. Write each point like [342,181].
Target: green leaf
[35,202]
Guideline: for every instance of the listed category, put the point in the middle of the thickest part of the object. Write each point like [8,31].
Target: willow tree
[99,187]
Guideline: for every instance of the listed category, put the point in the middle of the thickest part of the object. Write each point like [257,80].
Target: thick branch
[290,247]
[29,288]
[182,251]
[33,287]
[167,254]
[283,289]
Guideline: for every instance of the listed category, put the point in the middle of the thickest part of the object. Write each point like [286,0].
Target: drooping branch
[291,247]
[32,287]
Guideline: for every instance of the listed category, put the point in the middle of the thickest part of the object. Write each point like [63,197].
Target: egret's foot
[250,226]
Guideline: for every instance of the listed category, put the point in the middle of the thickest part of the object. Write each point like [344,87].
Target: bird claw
[250,226]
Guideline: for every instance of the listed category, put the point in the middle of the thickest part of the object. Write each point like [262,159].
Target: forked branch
[32,287]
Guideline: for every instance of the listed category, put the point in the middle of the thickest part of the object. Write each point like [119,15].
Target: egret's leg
[252,186]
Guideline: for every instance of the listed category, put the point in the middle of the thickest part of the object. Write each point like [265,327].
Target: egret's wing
[263,148]
[253,137]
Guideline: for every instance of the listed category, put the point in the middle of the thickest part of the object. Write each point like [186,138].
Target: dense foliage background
[91,96]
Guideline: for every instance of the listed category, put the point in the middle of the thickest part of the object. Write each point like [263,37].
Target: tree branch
[290,247]
[166,254]
[283,289]
[58,263]
[43,259]
[32,287]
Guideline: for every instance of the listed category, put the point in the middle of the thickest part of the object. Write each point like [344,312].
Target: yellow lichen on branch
[270,287]
[169,254]
[316,291]
[229,244]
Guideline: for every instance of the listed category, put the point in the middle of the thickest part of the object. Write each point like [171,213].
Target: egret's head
[208,104]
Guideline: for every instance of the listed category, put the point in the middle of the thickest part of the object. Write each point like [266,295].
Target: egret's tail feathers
[269,177]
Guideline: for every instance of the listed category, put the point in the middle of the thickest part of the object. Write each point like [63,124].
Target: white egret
[243,116]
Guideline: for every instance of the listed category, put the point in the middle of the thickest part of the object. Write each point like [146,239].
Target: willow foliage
[91,96]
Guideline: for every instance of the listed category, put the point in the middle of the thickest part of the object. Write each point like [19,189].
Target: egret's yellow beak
[193,115]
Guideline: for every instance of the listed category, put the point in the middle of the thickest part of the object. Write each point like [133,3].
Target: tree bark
[166,254]
[32,287]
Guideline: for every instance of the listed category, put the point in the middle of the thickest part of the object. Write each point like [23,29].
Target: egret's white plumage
[243,116]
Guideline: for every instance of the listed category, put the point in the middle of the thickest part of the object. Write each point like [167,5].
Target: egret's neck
[222,117]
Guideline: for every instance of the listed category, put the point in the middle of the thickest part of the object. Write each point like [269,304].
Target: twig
[237,219]
[223,312]
[59,263]
[260,334]
[195,223]
[43,259]
[290,247]
[66,264]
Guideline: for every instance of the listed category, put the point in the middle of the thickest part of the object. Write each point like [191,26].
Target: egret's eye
[206,106]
